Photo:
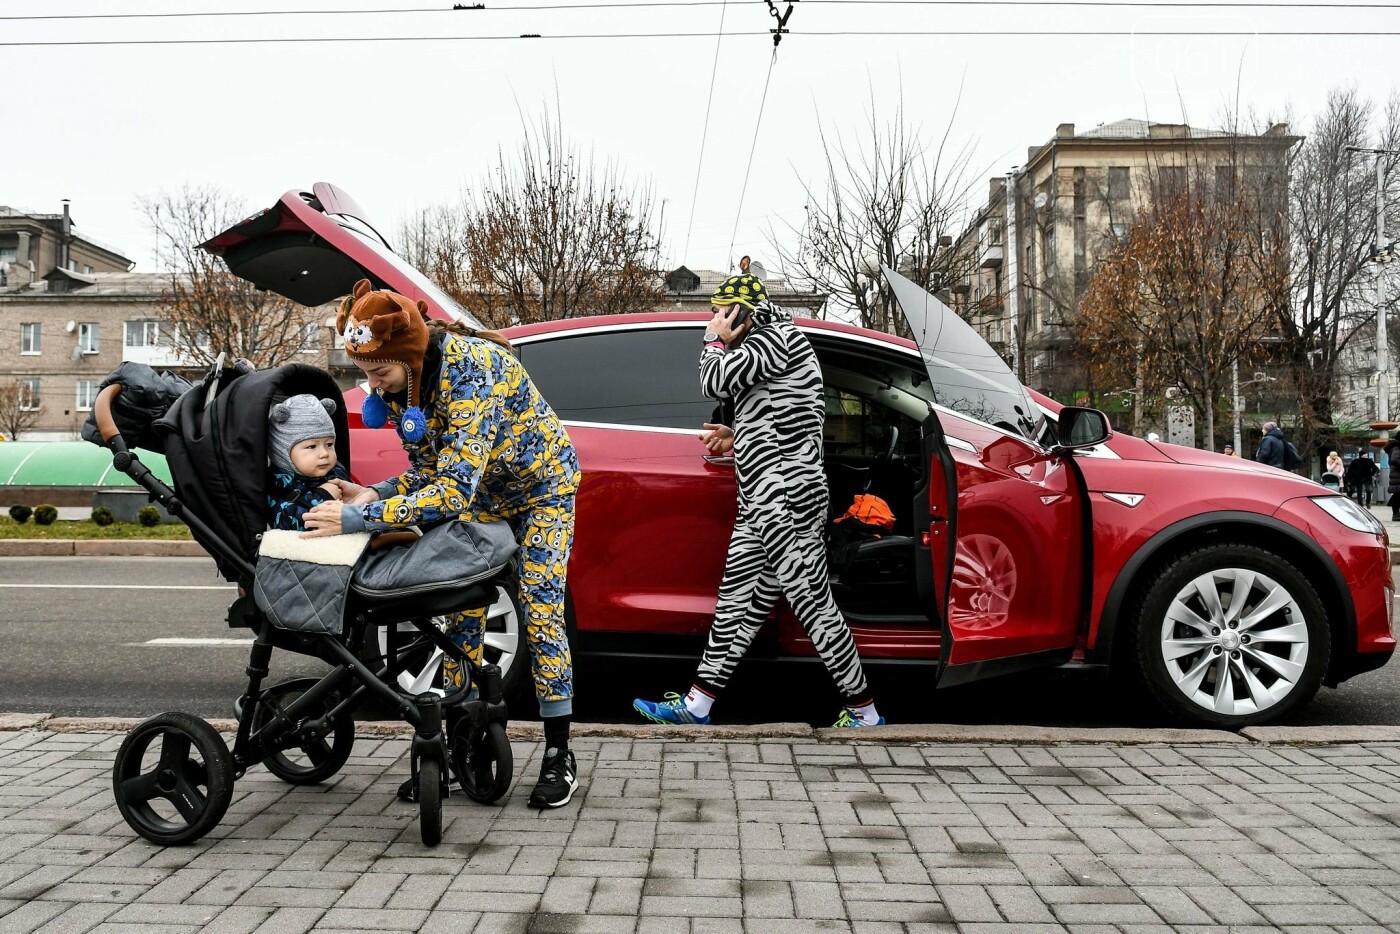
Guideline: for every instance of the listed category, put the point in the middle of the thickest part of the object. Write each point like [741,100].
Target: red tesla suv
[1026,535]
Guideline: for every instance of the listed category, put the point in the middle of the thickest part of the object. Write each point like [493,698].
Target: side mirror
[1082,428]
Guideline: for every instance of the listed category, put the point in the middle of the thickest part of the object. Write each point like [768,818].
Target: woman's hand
[322,519]
[718,438]
[354,494]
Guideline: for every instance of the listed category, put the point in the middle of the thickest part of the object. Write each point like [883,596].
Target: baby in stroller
[174,774]
[301,446]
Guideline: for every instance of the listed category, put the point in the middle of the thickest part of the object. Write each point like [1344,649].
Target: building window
[89,337]
[1171,181]
[8,254]
[87,394]
[29,338]
[1120,232]
[29,398]
[310,338]
[87,269]
[1225,182]
[142,333]
[1118,182]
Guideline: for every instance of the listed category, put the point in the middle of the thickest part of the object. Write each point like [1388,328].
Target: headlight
[1349,514]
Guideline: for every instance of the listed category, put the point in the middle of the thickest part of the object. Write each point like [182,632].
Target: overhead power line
[676,4]
[704,133]
[812,34]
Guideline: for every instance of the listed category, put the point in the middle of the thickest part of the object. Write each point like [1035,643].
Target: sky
[404,125]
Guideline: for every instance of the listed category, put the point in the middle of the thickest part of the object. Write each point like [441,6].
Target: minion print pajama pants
[545,530]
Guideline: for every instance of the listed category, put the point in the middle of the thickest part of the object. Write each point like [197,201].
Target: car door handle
[720,460]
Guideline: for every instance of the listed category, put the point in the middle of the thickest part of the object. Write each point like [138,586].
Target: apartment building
[58,344]
[1036,241]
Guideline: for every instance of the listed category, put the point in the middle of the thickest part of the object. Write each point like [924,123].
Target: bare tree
[15,415]
[1192,290]
[890,198]
[211,309]
[1330,225]
[548,234]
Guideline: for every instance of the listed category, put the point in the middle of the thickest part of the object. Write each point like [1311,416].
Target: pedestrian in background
[1392,451]
[1271,446]
[1334,476]
[1229,450]
[1360,473]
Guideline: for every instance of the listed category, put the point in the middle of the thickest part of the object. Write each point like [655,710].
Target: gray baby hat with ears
[293,421]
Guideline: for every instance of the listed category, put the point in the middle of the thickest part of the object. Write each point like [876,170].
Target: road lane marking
[175,640]
[121,586]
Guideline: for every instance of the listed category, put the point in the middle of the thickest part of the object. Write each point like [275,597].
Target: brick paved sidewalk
[728,836]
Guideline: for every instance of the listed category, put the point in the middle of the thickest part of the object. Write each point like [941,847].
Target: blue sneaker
[849,719]
[670,711]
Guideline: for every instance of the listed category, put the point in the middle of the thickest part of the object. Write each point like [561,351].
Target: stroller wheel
[305,761]
[173,778]
[430,801]
[482,759]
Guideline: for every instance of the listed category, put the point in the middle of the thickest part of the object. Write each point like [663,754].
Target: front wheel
[483,761]
[430,800]
[1231,636]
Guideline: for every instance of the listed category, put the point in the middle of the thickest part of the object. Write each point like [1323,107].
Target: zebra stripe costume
[774,381]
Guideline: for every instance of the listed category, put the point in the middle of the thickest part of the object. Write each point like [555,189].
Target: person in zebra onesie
[768,371]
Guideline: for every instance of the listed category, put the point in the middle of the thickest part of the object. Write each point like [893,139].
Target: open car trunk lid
[312,247]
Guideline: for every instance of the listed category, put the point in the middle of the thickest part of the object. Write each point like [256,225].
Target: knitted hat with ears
[386,327]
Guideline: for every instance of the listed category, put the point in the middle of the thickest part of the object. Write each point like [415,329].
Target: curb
[898,734]
[97,547]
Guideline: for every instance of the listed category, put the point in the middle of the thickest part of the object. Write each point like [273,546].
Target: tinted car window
[645,378]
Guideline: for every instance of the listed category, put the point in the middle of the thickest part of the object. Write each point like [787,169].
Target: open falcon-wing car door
[1004,514]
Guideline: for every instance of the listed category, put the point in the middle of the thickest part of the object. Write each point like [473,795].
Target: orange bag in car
[870,510]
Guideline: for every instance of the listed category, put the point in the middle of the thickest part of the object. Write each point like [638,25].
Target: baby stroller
[173,776]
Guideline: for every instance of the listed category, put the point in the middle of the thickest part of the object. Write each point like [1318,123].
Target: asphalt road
[93,637]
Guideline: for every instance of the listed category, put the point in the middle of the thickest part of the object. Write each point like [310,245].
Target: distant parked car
[1026,534]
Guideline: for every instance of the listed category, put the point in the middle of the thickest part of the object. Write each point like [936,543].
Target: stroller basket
[302,730]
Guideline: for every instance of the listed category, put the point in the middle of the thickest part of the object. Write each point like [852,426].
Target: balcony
[992,256]
[338,359]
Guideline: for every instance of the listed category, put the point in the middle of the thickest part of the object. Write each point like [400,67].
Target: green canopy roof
[68,463]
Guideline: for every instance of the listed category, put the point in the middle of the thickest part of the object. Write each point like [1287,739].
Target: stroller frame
[313,716]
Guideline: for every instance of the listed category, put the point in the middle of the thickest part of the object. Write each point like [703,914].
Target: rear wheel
[315,759]
[173,778]
[1231,636]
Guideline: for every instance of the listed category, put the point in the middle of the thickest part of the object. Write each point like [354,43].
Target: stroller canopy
[216,446]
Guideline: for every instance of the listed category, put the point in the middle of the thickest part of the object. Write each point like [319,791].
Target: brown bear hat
[386,327]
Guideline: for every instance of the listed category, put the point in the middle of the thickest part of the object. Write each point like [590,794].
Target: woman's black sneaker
[558,780]
[408,791]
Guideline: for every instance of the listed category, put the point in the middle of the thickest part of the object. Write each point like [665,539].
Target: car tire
[1206,658]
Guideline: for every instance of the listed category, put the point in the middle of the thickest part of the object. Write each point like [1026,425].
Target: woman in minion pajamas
[483,446]
[767,369]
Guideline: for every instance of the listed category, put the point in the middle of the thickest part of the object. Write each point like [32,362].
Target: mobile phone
[740,317]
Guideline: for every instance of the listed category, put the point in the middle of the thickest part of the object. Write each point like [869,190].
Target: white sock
[866,714]
[698,702]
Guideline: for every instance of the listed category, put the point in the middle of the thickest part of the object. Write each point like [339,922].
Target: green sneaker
[848,719]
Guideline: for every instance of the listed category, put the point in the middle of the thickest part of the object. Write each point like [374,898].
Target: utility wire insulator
[781,29]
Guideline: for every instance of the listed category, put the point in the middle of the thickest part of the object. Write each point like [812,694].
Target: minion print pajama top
[494,451]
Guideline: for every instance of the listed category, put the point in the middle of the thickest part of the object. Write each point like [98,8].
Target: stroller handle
[106,425]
